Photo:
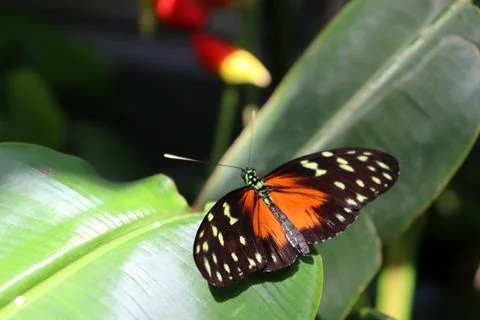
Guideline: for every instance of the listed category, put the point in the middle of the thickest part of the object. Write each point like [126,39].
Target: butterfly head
[251,179]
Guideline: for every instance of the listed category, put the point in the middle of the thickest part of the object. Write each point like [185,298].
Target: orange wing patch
[299,202]
[264,223]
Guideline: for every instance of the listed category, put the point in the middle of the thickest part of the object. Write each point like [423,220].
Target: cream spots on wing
[360,183]
[339,185]
[220,238]
[234,256]
[382,165]
[376,180]
[226,267]
[226,212]
[205,246]
[361,197]
[351,202]
[313,166]
[243,241]
[340,217]
[347,167]
[258,256]
[207,266]
[214,231]
[327,154]
[362,158]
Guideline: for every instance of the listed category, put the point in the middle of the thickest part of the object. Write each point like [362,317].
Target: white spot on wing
[360,183]
[242,240]
[340,217]
[361,197]
[347,167]
[376,180]
[327,154]
[226,267]
[386,175]
[351,202]
[220,238]
[339,184]
[207,266]
[382,165]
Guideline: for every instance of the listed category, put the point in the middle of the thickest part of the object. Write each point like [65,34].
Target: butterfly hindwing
[322,193]
[239,236]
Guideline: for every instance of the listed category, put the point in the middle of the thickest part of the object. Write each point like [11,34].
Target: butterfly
[265,225]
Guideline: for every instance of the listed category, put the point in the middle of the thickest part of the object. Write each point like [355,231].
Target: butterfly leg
[294,237]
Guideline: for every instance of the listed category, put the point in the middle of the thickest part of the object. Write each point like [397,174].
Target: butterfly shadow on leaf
[221,294]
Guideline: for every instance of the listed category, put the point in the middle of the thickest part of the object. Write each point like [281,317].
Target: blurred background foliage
[106,80]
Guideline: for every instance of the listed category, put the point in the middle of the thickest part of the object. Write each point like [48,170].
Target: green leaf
[399,76]
[76,246]
[370,314]
[33,114]
[343,281]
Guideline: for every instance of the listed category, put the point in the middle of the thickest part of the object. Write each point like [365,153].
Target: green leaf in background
[33,115]
[76,246]
[369,314]
[64,63]
[344,280]
[401,76]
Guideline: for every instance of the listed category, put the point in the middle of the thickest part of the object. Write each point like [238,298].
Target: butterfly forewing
[238,237]
[322,193]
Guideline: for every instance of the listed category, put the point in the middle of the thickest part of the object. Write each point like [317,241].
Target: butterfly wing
[239,236]
[322,193]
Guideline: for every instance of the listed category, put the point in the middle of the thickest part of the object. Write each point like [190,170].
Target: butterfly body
[266,224]
[293,236]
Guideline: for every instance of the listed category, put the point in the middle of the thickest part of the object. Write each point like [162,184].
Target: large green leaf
[401,76]
[74,246]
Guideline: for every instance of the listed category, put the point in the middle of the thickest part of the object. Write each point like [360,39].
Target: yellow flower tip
[242,67]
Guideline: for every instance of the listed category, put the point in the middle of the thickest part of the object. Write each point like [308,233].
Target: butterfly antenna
[175,157]
[252,122]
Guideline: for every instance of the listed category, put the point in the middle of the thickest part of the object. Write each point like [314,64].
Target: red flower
[182,13]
